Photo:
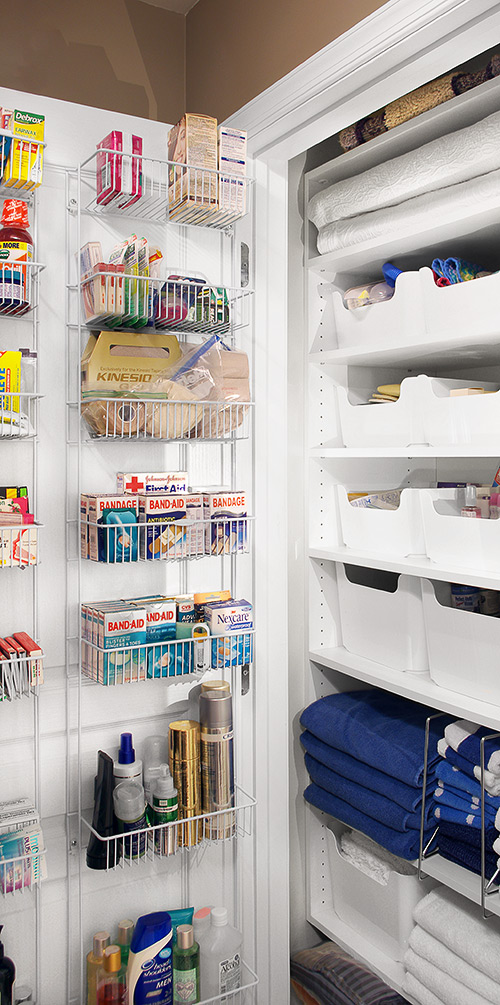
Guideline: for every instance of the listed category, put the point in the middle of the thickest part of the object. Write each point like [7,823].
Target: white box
[389,424]
[395,533]
[451,539]
[137,483]
[232,168]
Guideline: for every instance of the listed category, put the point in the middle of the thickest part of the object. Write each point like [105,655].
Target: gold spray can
[184,761]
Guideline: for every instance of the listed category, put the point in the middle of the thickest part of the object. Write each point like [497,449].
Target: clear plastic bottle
[94,963]
[112,979]
[201,928]
[186,966]
[220,956]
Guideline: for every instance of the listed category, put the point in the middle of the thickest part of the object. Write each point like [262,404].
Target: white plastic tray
[398,321]
[451,539]
[383,626]
[395,533]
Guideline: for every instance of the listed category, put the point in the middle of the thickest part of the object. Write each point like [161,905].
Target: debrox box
[192,142]
[25,162]
[114,361]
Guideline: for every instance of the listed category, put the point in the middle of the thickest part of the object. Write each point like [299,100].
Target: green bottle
[186,966]
[165,811]
[125,933]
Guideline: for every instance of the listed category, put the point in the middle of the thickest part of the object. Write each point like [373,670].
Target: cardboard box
[225,535]
[225,619]
[116,361]
[100,539]
[162,536]
[24,166]
[195,513]
[232,168]
[147,482]
[119,177]
[10,380]
[192,143]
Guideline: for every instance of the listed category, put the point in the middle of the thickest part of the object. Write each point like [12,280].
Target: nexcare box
[146,482]
[225,535]
[232,167]
[164,532]
[230,618]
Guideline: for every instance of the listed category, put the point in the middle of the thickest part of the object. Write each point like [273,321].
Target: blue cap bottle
[126,766]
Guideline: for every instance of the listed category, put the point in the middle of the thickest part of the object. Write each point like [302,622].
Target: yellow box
[24,166]
[10,380]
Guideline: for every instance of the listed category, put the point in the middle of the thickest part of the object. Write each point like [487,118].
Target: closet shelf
[416,686]
[436,353]
[461,880]
[412,565]
[346,453]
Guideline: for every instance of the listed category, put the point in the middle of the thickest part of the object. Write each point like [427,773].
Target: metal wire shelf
[18,415]
[17,288]
[172,661]
[21,164]
[169,191]
[121,543]
[19,545]
[112,299]
[20,676]
[165,419]
[159,841]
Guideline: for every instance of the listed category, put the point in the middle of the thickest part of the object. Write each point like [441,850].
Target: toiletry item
[180,916]
[220,956]
[465,598]
[489,603]
[371,293]
[130,812]
[217,763]
[7,977]
[125,933]
[149,972]
[184,762]
[103,854]
[112,978]
[24,165]
[471,509]
[215,685]
[494,506]
[16,248]
[127,766]
[201,928]
[186,966]
[94,964]
[165,811]
[28,370]
[154,754]
[201,648]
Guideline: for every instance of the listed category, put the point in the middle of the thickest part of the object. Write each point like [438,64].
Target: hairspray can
[217,769]
[184,762]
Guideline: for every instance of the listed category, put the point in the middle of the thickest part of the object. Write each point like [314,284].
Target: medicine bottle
[16,246]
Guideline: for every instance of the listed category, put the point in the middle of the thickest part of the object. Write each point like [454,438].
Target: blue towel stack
[457,807]
[365,757]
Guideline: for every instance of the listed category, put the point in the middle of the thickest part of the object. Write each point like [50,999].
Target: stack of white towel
[454,955]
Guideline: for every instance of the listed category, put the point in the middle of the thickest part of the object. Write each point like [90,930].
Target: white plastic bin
[457,541]
[472,420]
[398,321]
[463,646]
[381,914]
[382,624]
[389,424]
[469,309]
[391,533]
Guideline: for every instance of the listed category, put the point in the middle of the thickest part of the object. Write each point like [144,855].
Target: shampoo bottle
[149,972]
[112,979]
[186,966]
[7,977]
[220,958]
[94,964]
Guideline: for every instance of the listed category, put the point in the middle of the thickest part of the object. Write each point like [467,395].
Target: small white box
[144,482]
[232,168]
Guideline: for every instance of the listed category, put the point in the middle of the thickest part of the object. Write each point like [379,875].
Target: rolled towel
[371,859]
[404,844]
[439,955]
[465,738]
[449,990]
[457,923]
[407,796]
[420,993]
[376,727]
[371,803]
[491,781]
[450,775]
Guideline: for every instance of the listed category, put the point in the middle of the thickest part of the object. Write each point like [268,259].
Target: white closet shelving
[218,452]
[452,337]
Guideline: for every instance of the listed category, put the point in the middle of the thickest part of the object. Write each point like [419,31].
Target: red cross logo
[133,485]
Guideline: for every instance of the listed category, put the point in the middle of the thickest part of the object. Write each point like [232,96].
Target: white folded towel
[413,214]
[460,732]
[457,923]
[450,991]
[371,859]
[491,781]
[436,953]
[419,992]
[447,160]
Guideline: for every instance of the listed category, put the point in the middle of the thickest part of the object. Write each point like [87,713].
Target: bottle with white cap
[130,810]
[165,811]
[126,765]
[220,956]
[154,754]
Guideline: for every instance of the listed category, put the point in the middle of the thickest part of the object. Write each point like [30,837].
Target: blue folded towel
[454,816]
[453,776]
[465,738]
[372,803]
[467,835]
[466,855]
[376,727]
[407,796]
[402,843]
[459,800]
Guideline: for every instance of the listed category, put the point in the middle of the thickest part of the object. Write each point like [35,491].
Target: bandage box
[192,142]
[145,482]
[24,165]
[201,599]
[225,619]
[232,167]
[164,532]
[121,628]
[224,534]
[115,361]
[18,544]
[100,543]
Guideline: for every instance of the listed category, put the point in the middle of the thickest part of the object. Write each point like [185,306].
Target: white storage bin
[469,308]
[381,914]
[398,321]
[451,539]
[472,420]
[391,533]
[380,625]
[463,646]
[390,424]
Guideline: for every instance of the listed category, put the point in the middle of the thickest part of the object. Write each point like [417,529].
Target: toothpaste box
[98,536]
[226,619]
[225,535]
[162,520]
[232,168]
[146,482]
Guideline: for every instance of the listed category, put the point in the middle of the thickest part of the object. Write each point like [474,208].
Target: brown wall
[237,48]
[123,55]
